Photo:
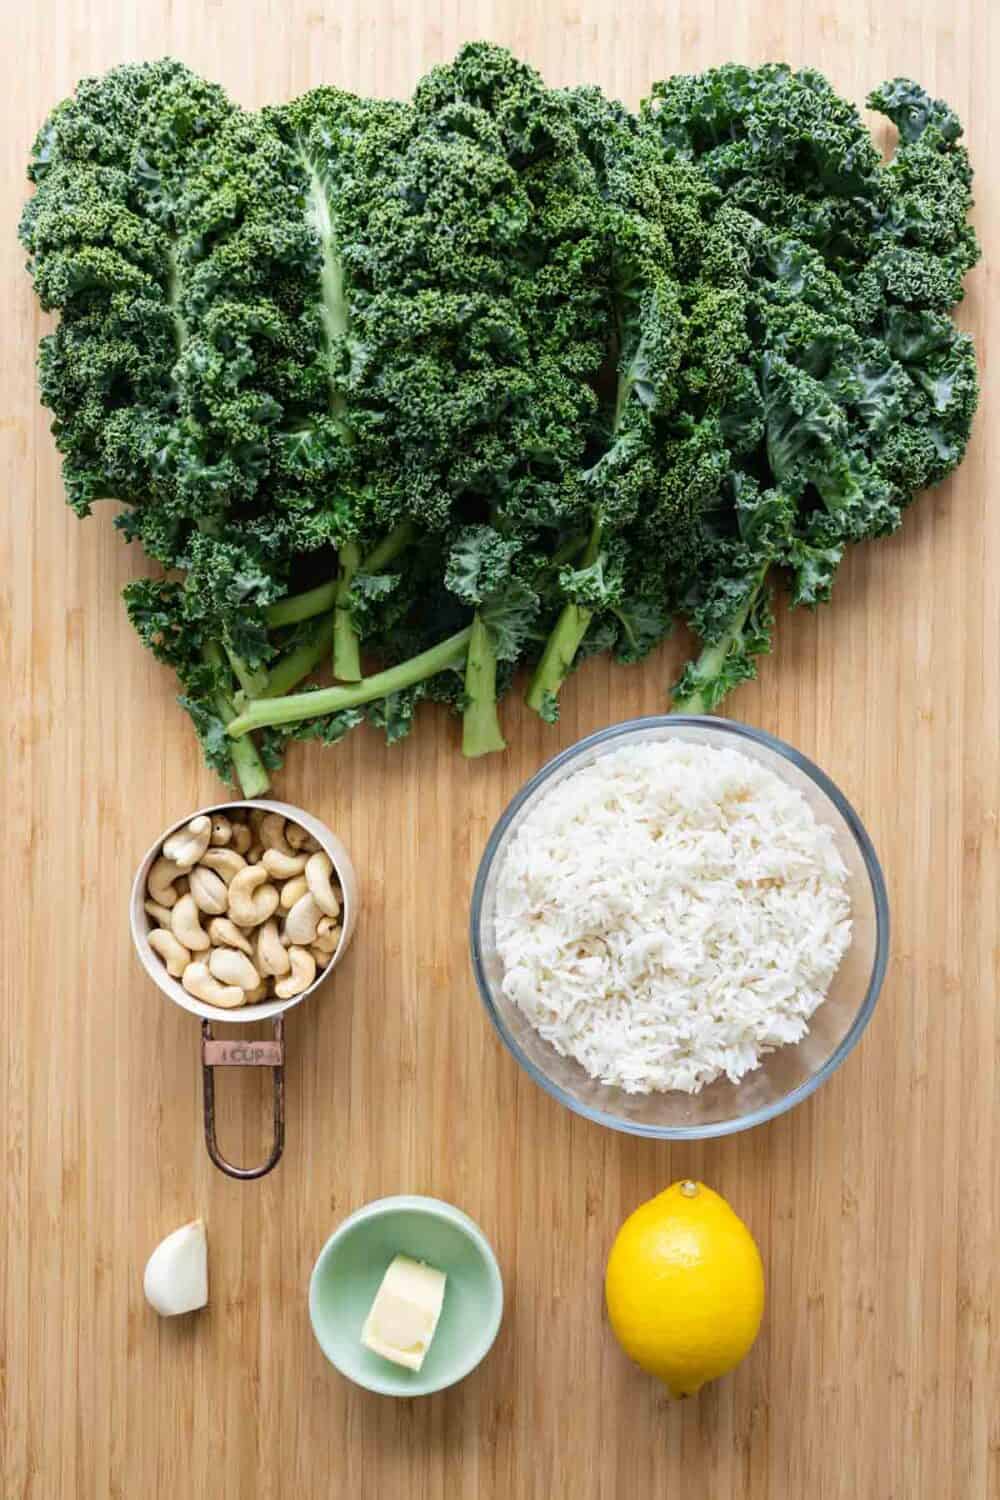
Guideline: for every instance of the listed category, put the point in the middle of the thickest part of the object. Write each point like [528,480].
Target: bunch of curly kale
[412,393]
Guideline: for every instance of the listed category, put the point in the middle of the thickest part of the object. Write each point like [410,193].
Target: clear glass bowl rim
[872,867]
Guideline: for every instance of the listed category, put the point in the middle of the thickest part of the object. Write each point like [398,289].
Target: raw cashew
[222,829]
[225,862]
[188,844]
[230,967]
[302,920]
[295,836]
[242,838]
[321,956]
[272,832]
[160,913]
[198,982]
[292,890]
[271,955]
[302,975]
[209,891]
[257,816]
[226,934]
[283,866]
[252,899]
[327,936]
[185,924]
[255,997]
[160,881]
[174,954]
[319,868]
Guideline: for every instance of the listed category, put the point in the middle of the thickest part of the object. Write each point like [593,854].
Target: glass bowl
[785,1076]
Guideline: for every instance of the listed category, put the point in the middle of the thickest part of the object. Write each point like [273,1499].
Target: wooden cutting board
[876,1203]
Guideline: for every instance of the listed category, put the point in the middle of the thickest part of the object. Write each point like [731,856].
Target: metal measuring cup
[216,1053]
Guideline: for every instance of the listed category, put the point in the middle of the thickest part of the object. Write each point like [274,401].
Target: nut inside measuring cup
[144,923]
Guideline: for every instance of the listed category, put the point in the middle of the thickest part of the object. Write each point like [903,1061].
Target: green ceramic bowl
[349,1272]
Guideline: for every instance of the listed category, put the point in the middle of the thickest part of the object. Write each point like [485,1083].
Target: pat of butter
[405,1312]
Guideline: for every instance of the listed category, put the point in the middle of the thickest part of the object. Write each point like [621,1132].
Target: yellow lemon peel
[685,1287]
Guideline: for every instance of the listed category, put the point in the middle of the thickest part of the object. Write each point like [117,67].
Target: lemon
[685,1287]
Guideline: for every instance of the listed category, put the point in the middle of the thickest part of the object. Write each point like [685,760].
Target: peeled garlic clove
[176,1277]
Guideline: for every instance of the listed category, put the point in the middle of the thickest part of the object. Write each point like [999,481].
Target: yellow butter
[405,1313]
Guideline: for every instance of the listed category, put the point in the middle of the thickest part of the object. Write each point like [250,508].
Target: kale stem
[314,705]
[299,607]
[292,668]
[705,681]
[481,731]
[250,773]
[346,646]
[389,548]
[251,681]
[557,659]
[320,600]
[563,643]
[247,764]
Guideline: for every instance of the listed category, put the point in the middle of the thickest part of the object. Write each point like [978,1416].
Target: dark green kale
[857,389]
[675,317]
[421,392]
[106,235]
[478,305]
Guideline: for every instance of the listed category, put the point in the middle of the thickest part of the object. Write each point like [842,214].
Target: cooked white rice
[670,913]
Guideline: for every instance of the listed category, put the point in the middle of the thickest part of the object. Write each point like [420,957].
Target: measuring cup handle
[237,1054]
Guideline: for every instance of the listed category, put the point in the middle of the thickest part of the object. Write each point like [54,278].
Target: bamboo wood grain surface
[876,1203]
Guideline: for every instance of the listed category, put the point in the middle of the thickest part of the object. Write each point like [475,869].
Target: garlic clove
[176,1276]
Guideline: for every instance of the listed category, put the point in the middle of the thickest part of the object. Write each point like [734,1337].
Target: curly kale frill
[541,253]
[479,310]
[106,238]
[858,391]
[110,167]
[419,392]
[676,320]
